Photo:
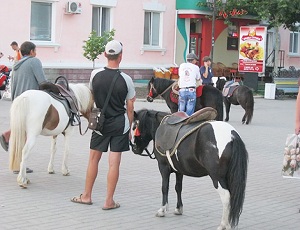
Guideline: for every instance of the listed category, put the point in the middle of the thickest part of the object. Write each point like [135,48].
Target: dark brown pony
[215,149]
[243,96]
[211,97]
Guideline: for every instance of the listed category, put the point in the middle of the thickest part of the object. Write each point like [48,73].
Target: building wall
[66,52]
[289,59]
[227,57]
[78,75]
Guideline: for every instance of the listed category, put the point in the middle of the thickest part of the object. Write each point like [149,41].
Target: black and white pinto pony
[215,150]
[242,95]
[211,97]
[35,113]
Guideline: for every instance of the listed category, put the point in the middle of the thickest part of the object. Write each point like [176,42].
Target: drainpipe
[175,40]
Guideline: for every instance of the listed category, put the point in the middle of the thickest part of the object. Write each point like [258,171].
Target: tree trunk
[276,49]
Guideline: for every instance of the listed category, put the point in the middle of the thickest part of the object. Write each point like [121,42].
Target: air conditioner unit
[73,8]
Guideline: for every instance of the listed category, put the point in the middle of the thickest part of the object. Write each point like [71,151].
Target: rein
[80,131]
[160,94]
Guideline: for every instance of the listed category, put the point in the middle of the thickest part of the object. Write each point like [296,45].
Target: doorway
[195,43]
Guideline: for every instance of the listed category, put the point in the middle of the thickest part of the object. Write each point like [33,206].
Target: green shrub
[95,45]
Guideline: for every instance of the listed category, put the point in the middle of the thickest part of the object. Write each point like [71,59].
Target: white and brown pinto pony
[34,113]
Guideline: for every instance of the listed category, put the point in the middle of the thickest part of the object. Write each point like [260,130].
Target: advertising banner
[252,49]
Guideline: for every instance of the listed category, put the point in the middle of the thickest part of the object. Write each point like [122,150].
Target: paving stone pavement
[271,201]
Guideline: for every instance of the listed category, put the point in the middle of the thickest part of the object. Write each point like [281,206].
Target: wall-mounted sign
[232,13]
[252,49]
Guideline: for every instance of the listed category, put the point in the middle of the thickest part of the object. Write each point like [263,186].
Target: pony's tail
[237,176]
[17,139]
[250,106]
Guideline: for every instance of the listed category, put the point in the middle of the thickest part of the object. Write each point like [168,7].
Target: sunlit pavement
[271,202]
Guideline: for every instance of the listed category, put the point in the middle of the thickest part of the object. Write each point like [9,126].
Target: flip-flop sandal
[117,205]
[77,199]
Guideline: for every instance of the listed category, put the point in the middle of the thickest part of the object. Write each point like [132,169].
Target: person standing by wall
[14,45]
[116,131]
[28,73]
[188,76]
[206,71]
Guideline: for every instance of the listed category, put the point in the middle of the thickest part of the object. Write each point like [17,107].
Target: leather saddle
[176,127]
[60,91]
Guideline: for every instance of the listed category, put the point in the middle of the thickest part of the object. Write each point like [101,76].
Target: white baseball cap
[113,47]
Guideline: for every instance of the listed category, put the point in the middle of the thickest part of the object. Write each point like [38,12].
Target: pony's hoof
[24,184]
[66,174]
[224,227]
[178,211]
[160,214]
[162,211]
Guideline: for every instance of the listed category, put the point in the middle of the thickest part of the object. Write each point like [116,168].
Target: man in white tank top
[189,73]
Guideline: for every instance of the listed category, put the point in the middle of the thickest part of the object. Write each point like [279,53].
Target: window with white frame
[101,20]
[152,28]
[294,42]
[41,28]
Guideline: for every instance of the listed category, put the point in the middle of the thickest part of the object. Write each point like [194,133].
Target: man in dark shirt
[118,119]
[206,71]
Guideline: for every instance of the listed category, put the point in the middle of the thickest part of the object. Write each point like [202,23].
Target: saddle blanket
[229,88]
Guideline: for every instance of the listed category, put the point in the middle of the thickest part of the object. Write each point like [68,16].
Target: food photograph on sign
[251,48]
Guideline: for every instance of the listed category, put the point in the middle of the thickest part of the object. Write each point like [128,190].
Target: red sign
[252,49]
[232,13]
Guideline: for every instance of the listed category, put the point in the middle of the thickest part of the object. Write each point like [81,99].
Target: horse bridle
[133,146]
[150,94]
[151,155]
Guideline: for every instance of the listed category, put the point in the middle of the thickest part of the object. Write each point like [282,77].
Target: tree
[277,13]
[95,45]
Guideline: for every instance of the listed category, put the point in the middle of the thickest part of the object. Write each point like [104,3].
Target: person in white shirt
[189,74]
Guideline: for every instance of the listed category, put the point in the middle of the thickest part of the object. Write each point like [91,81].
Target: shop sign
[232,13]
[252,49]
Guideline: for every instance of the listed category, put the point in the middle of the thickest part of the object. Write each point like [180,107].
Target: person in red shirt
[14,45]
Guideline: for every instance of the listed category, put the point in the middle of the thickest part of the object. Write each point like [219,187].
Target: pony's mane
[162,83]
[83,95]
[143,117]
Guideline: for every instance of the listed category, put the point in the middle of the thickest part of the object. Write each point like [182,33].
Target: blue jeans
[187,101]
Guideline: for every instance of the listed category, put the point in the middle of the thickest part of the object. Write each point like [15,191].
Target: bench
[286,85]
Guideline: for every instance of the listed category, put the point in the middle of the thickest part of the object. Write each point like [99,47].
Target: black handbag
[97,116]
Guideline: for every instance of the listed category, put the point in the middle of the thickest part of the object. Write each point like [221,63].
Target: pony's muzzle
[149,99]
[134,148]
